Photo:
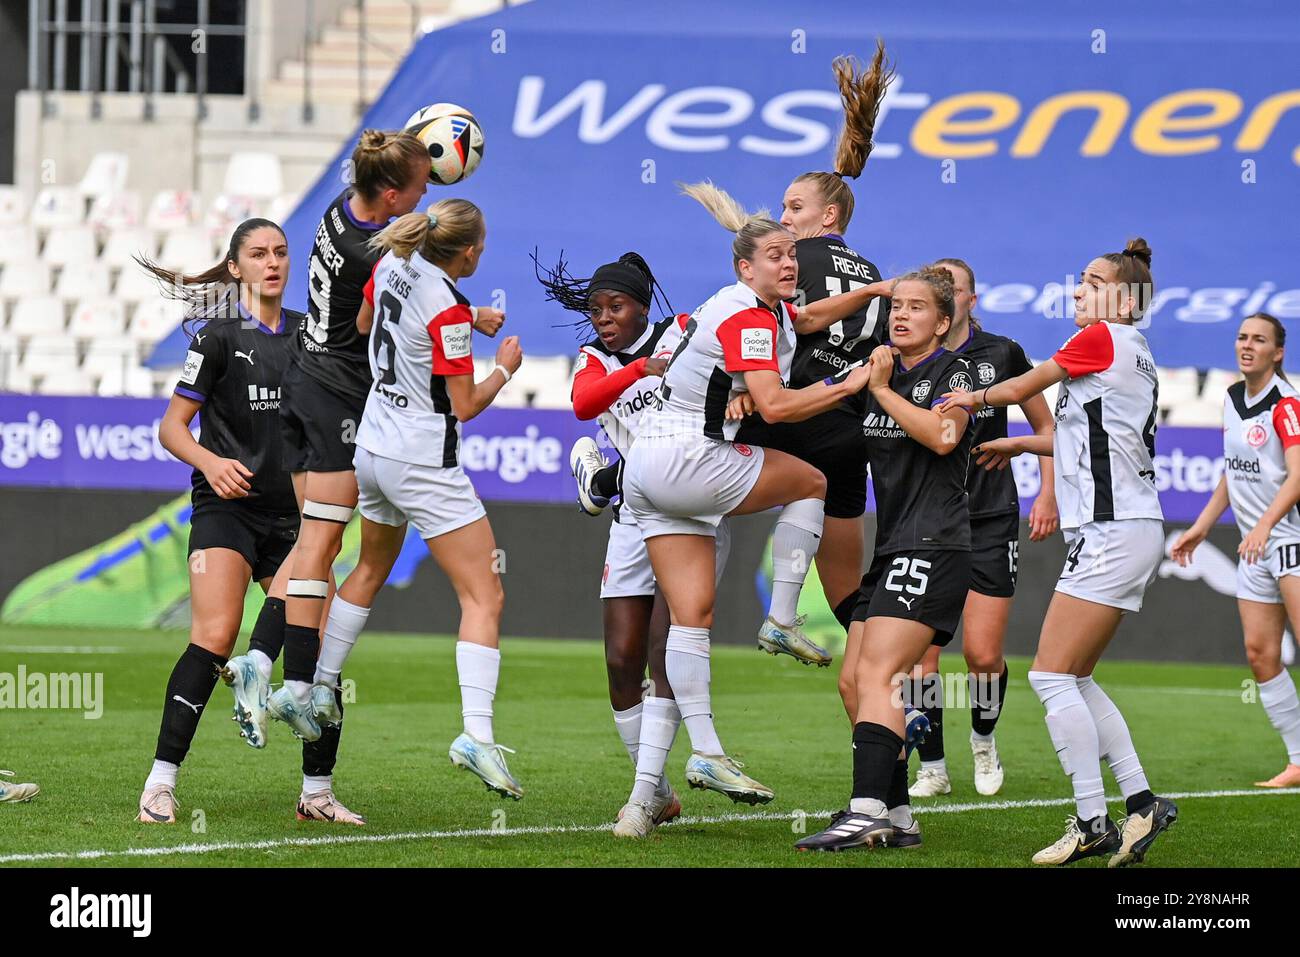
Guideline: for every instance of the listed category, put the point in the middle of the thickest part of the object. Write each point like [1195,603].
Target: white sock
[977,738]
[687,664]
[794,543]
[659,722]
[871,807]
[1074,734]
[940,765]
[477,667]
[261,662]
[628,724]
[162,772]
[1278,696]
[901,816]
[1113,739]
[342,629]
[317,785]
[301,691]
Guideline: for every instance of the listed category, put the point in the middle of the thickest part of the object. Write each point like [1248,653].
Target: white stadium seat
[1198,413]
[71,381]
[281,208]
[132,380]
[1178,387]
[69,245]
[36,316]
[125,243]
[17,242]
[1216,383]
[16,381]
[46,354]
[107,354]
[97,319]
[136,285]
[19,279]
[10,356]
[1016,414]
[227,212]
[83,282]
[13,205]
[172,209]
[546,380]
[188,249]
[254,174]
[114,211]
[58,206]
[155,318]
[105,175]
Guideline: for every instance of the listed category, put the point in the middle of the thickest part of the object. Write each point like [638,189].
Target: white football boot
[251,691]
[930,782]
[284,707]
[778,639]
[717,772]
[488,762]
[324,806]
[324,705]
[17,793]
[585,459]
[635,820]
[988,767]
[158,805]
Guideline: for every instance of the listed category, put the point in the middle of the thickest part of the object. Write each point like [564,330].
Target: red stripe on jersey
[595,389]
[1091,349]
[748,341]
[368,290]
[1286,422]
[451,332]
[682,318]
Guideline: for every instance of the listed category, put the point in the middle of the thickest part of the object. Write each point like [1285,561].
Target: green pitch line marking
[208,848]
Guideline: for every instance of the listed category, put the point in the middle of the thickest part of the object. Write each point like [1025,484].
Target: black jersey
[234,367]
[332,351]
[920,495]
[988,359]
[828,267]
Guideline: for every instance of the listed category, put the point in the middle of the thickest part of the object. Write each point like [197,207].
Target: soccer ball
[453,138]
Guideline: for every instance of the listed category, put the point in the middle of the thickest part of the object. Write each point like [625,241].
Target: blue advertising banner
[512,455]
[1024,138]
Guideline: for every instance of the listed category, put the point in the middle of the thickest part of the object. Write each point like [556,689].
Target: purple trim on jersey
[933,355]
[835,236]
[189,394]
[359,223]
[941,400]
[262,327]
[969,339]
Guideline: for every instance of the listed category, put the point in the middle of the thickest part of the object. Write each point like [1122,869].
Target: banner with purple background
[513,455]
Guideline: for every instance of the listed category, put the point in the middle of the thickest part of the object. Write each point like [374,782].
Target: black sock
[606,482]
[875,757]
[844,610]
[986,702]
[192,680]
[301,646]
[898,786]
[1098,825]
[319,756]
[268,630]
[1138,801]
[929,699]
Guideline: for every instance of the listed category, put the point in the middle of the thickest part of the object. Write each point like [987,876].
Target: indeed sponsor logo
[704,119]
[635,405]
[512,457]
[1235,464]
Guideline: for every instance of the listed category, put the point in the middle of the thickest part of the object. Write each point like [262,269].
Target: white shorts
[1112,563]
[685,484]
[434,500]
[627,563]
[1259,582]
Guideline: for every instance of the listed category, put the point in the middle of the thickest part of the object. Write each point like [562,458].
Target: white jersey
[611,386]
[1106,427]
[1257,431]
[731,334]
[421,334]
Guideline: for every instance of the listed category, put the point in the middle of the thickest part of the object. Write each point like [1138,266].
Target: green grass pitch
[1195,733]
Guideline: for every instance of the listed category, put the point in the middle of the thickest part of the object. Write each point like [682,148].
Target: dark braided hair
[631,275]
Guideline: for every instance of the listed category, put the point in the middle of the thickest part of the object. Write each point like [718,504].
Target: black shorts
[831,442]
[318,428]
[995,554]
[263,538]
[925,586]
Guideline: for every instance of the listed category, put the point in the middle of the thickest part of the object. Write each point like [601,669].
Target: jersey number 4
[915,569]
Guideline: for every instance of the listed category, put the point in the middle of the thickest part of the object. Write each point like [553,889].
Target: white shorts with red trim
[1112,563]
[627,571]
[685,484]
[434,500]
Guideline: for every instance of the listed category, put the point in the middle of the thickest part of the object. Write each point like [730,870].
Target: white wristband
[503,370]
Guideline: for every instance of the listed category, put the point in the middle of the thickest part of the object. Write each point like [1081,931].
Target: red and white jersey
[612,387]
[1106,427]
[731,334]
[1257,431]
[421,335]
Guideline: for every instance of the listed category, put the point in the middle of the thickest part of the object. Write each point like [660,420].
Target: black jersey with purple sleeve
[234,367]
[920,494]
[988,359]
[332,351]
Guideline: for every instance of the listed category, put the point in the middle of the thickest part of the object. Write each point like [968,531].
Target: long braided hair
[631,274]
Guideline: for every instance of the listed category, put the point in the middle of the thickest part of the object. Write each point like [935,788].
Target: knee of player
[983,662]
[816,482]
[216,634]
[624,668]
[489,599]
[1261,657]
[848,687]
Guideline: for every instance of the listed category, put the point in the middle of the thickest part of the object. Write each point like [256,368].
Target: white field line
[63,649]
[270,844]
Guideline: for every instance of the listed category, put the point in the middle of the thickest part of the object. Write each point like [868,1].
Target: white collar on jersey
[640,343]
[1252,399]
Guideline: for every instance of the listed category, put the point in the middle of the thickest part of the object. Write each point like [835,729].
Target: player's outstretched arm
[1218,504]
[775,403]
[1014,391]
[825,312]
[469,398]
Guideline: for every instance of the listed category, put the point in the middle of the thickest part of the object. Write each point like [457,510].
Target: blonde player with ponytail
[408,458]
[686,472]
